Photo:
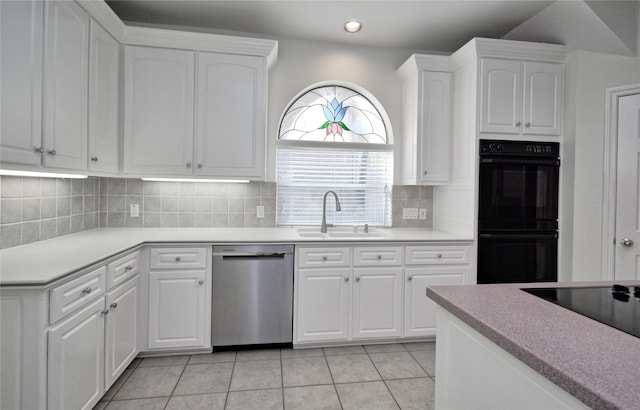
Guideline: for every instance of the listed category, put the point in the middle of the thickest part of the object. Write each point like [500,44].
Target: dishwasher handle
[251,255]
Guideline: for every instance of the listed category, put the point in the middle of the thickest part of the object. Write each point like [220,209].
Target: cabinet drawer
[183,258]
[69,296]
[122,269]
[378,256]
[321,257]
[436,255]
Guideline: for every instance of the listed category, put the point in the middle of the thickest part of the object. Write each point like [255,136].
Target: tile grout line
[333,382]
[382,378]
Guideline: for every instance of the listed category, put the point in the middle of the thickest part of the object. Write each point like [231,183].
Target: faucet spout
[323,226]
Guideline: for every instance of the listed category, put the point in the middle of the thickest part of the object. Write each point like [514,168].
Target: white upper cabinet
[21,24]
[66,68]
[230,124]
[520,97]
[104,103]
[158,111]
[426,94]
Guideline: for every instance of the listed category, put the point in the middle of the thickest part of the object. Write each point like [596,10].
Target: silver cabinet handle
[379,257]
[200,282]
[52,152]
[128,267]
[346,279]
[527,124]
[94,159]
[178,259]
[188,164]
[518,124]
[439,255]
[105,312]
[425,172]
[114,305]
[357,278]
[39,150]
[86,290]
[324,258]
[199,165]
[410,278]
[626,242]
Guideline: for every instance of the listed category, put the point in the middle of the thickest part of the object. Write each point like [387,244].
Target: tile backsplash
[35,209]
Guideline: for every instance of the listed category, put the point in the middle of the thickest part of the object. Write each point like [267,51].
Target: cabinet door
[231,116]
[377,302]
[434,127]
[158,111]
[501,96]
[21,79]
[420,311]
[121,331]
[65,85]
[177,309]
[76,360]
[323,304]
[104,83]
[542,99]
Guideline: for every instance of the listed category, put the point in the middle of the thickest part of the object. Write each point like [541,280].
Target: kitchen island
[500,347]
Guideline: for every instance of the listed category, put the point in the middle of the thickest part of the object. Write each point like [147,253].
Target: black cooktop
[617,306]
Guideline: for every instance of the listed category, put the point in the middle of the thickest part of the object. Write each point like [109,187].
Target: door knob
[626,242]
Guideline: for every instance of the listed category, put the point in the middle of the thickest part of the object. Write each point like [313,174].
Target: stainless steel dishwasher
[252,295]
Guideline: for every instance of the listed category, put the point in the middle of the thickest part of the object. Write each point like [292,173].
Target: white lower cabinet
[76,352]
[323,304]
[372,293]
[419,310]
[377,302]
[179,298]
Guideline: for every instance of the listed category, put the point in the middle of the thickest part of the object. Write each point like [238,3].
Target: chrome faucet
[323,227]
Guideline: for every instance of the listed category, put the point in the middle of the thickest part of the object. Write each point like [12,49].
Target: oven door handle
[552,235]
[521,161]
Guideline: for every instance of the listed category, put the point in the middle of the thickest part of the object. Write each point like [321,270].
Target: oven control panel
[519,148]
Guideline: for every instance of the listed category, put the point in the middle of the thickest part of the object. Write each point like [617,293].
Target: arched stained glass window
[333,113]
[334,137]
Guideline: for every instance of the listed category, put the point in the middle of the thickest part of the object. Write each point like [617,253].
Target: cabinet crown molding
[105,16]
[509,49]
[423,62]
[156,37]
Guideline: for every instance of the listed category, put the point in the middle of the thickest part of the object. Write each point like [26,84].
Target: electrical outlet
[422,213]
[134,211]
[409,213]
[259,211]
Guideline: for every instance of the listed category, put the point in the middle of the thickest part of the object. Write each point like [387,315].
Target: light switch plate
[134,211]
[259,211]
[409,213]
[423,213]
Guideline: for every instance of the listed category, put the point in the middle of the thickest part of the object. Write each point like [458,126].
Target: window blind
[362,179]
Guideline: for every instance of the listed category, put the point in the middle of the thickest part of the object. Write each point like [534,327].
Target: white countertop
[41,263]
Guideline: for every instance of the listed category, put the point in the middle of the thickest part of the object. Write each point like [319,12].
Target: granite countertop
[41,263]
[596,363]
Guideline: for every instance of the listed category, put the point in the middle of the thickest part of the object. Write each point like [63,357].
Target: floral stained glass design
[333,114]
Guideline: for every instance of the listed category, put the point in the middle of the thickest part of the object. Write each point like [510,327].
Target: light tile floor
[389,376]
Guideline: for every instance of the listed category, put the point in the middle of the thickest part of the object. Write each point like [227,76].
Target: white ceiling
[427,25]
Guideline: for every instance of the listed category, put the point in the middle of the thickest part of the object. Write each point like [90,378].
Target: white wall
[588,76]
[303,63]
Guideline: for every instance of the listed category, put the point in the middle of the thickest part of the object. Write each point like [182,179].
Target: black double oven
[518,212]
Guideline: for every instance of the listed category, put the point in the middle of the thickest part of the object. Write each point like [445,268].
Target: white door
[627,264]
[420,311]
[121,331]
[377,302]
[231,116]
[66,69]
[104,103]
[542,99]
[76,360]
[21,79]
[434,127]
[158,111]
[501,96]
[177,309]
[323,304]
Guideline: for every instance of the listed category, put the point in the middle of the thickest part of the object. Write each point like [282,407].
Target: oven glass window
[518,191]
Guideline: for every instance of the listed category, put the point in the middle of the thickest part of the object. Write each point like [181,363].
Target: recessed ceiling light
[352,26]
